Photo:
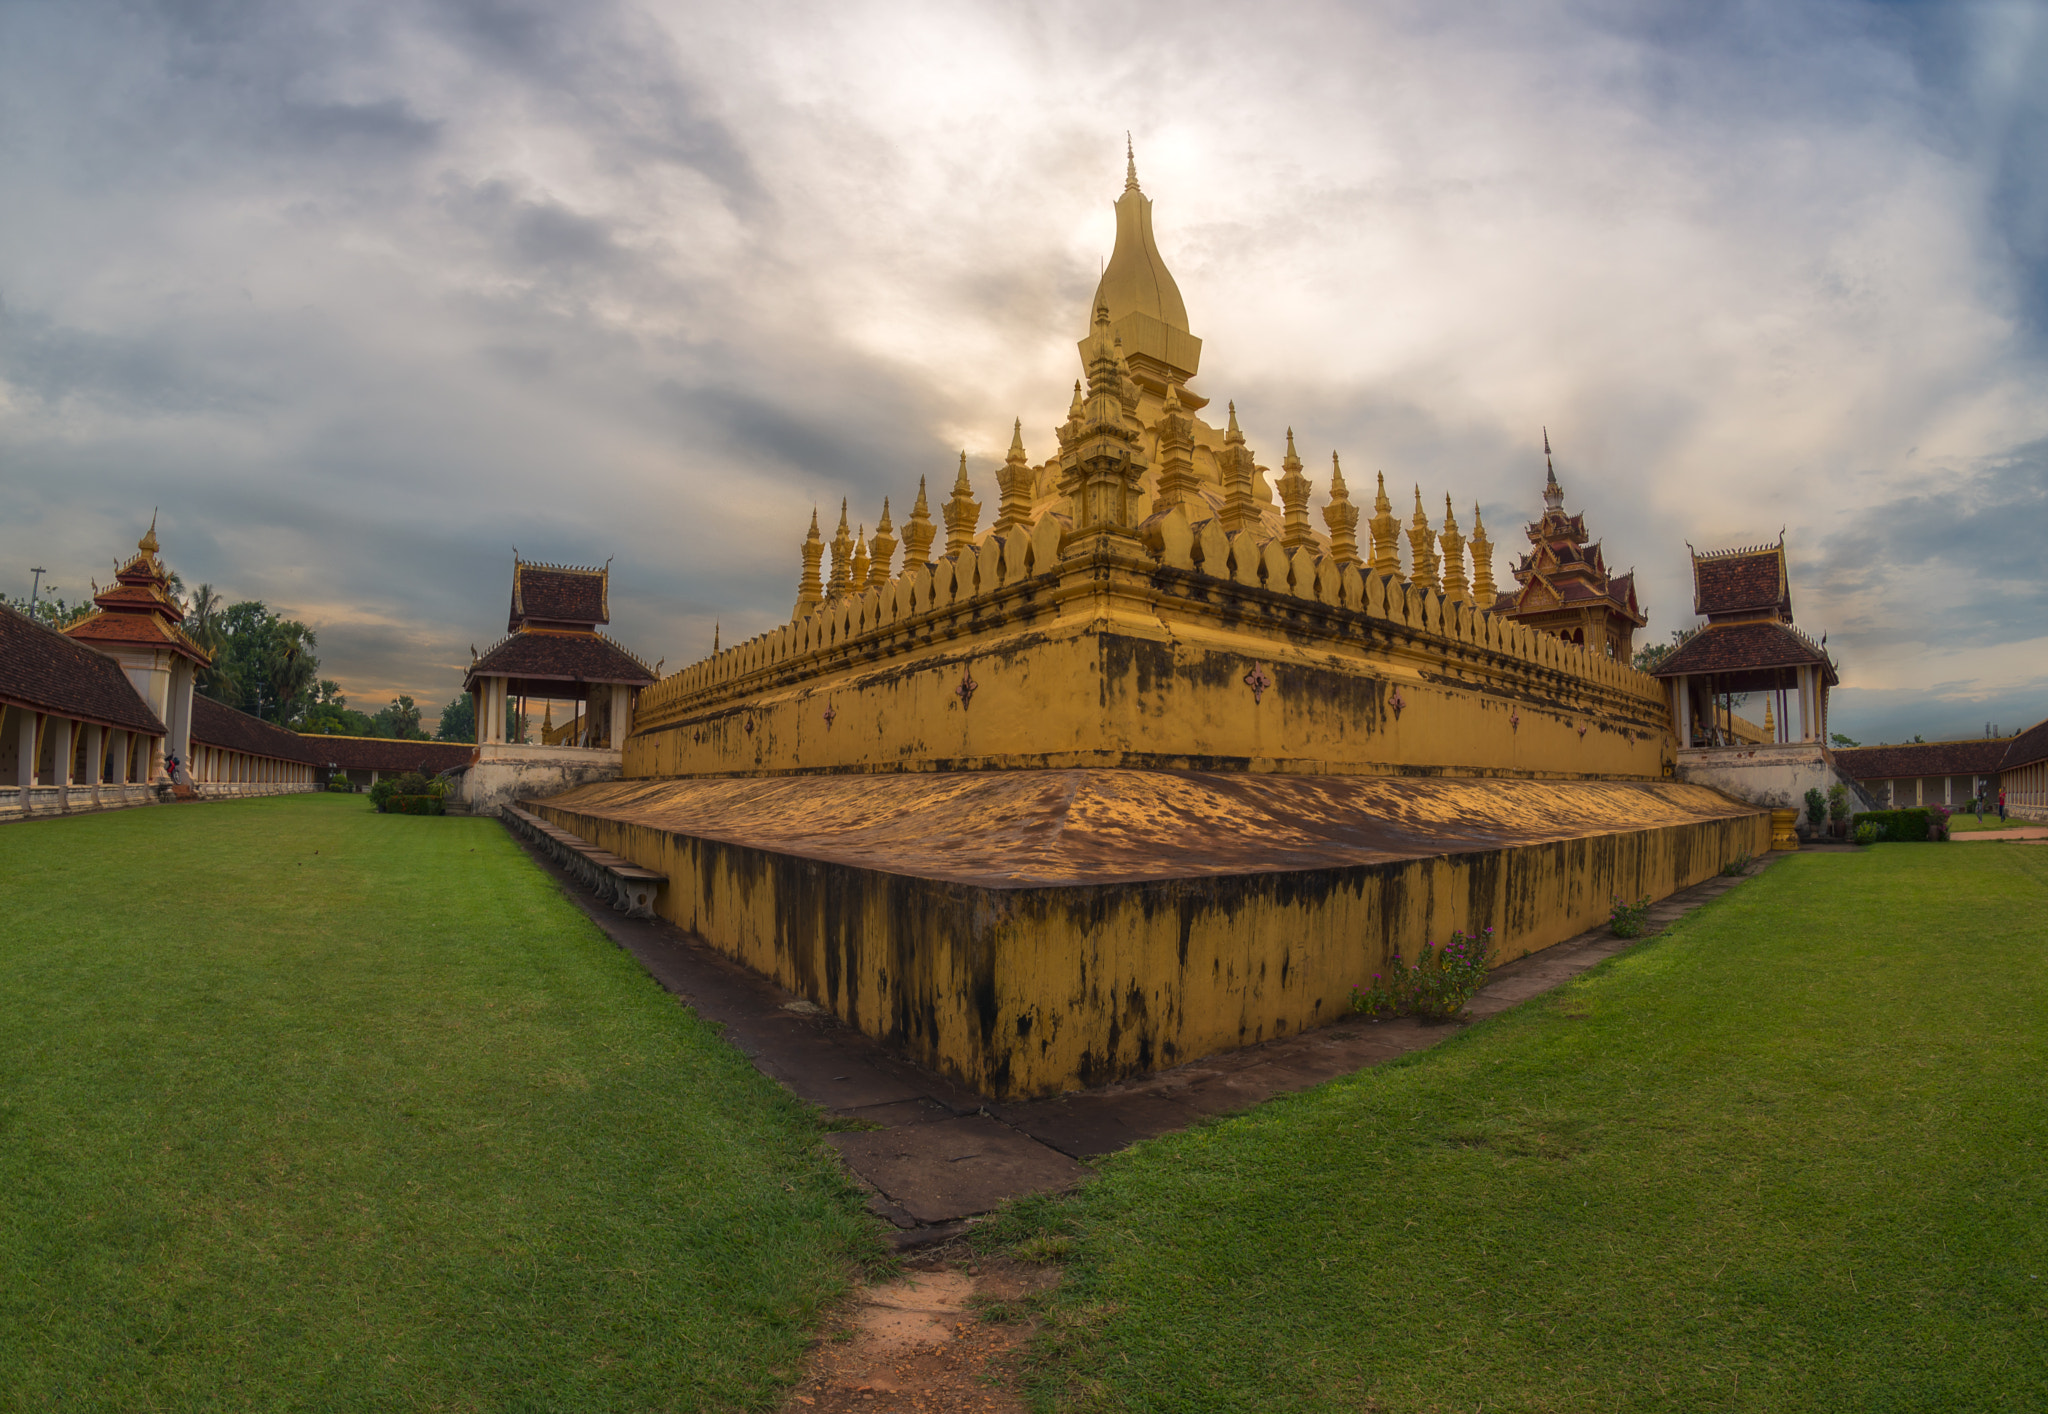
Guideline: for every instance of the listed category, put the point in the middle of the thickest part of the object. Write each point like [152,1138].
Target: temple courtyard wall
[1033,932]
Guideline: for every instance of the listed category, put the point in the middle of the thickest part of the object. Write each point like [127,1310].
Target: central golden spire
[1145,307]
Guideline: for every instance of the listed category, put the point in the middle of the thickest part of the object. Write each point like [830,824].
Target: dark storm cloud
[366,293]
[1974,533]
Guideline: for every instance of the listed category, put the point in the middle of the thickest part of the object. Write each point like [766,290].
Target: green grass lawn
[1959,822]
[303,1107]
[1787,1156]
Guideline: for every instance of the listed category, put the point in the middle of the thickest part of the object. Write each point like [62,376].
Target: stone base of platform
[1031,932]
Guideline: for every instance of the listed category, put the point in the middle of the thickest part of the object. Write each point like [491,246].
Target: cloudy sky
[364,295]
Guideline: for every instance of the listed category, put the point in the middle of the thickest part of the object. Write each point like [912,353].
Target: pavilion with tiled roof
[1562,584]
[135,621]
[553,651]
[74,732]
[2023,773]
[1748,644]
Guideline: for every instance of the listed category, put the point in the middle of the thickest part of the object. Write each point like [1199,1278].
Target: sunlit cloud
[365,295]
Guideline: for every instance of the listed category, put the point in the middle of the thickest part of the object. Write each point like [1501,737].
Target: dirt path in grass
[945,1335]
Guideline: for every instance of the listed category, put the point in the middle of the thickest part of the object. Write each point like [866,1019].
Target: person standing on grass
[2001,805]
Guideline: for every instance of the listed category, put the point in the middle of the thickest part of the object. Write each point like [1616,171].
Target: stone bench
[619,882]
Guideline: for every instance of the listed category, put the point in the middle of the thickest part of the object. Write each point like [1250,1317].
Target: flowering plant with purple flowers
[1436,985]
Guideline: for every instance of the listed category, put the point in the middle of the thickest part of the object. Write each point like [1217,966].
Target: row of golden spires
[1436,559]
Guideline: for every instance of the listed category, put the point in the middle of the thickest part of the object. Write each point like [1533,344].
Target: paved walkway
[2020,830]
[936,1153]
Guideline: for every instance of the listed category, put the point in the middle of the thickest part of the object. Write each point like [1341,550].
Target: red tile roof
[551,596]
[387,755]
[217,724]
[1739,581]
[45,671]
[1922,758]
[1731,648]
[2028,747]
[561,657]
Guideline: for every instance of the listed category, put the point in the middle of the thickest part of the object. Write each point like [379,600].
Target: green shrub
[410,783]
[1838,802]
[1869,832]
[1903,826]
[1628,920]
[340,784]
[414,805]
[1738,865]
[1816,808]
[1436,986]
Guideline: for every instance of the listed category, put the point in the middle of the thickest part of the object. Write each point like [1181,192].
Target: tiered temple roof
[552,635]
[137,609]
[1563,585]
[1748,640]
[42,670]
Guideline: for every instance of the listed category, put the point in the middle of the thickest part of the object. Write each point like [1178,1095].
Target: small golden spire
[1341,517]
[1015,483]
[860,559]
[881,549]
[1455,584]
[1553,494]
[147,544]
[1295,530]
[918,531]
[1421,553]
[810,591]
[1483,592]
[1232,434]
[1770,722]
[962,513]
[1130,164]
[1386,533]
[714,635]
[842,557]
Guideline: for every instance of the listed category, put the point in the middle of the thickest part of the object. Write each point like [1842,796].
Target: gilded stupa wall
[1146,764]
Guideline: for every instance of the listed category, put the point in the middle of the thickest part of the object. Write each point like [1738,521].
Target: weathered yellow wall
[1061,680]
[1032,991]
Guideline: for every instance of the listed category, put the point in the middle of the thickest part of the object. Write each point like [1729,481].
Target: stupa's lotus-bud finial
[860,558]
[1295,531]
[1015,483]
[842,557]
[1130,164]
[881,549]
[810,591]
[962,513]
[918,531]
[1232,432]
[1341,517]
[1386,533]
[148,544]
[1455,587]
[1483,591]
[1421,552]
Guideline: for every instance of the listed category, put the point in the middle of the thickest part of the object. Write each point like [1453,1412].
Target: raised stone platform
[1030,932]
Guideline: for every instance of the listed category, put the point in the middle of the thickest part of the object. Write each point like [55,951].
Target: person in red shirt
[2001,806]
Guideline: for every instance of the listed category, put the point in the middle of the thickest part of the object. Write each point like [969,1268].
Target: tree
[458,720]
[330,715]
[1837,739]
[49,610]
[1651,654]
[265,664]
[400,720]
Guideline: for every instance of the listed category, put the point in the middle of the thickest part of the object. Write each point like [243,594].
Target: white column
[117,758]
[24,754]
[1684,686]
[95,758]
[60,760]
[622,714]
